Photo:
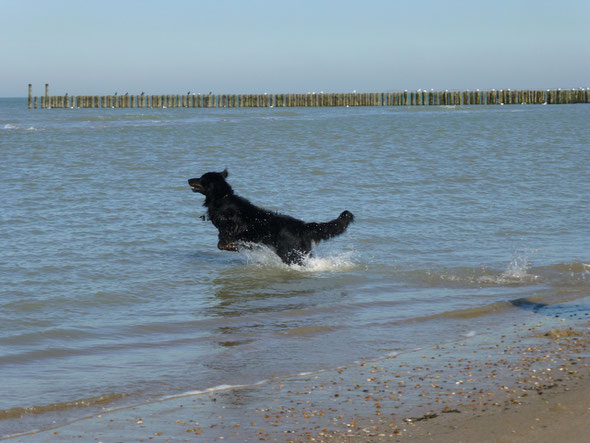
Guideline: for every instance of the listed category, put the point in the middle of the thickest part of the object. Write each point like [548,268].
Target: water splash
[263,256]
[517,271]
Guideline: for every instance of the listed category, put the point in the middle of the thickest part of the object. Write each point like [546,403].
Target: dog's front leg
[226,245]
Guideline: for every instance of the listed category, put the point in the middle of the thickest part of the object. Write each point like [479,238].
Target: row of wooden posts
[413,98]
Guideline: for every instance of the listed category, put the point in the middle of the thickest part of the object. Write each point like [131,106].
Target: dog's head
[211,185]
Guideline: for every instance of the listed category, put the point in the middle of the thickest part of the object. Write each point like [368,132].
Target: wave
[219,388]
[286,114]
[13,127]
[519,272]
[120,117]
[542,305]
[100,400]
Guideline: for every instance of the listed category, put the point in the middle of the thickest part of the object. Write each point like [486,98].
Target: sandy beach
[526,385]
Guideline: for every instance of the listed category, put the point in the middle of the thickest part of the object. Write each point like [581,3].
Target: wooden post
[30,95]
[46,95]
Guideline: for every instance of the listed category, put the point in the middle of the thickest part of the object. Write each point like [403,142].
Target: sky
[255,46]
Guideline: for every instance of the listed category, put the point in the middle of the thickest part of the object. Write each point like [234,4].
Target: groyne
[312,99]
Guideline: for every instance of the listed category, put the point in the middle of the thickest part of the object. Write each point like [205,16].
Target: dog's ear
[224,174]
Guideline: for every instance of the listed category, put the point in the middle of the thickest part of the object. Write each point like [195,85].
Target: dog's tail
[327,230]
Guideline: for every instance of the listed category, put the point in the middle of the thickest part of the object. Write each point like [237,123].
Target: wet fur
[240,222]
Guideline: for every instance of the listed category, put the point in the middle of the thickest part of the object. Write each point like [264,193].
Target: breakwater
[405,98]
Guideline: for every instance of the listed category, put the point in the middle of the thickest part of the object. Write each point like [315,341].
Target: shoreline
[530,385]
[561,414]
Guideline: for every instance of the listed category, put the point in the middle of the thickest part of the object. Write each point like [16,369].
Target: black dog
[240,222]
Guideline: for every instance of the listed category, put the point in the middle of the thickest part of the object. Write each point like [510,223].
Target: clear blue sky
[255,46]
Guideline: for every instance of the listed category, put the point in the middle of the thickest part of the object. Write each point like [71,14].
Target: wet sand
[529,383]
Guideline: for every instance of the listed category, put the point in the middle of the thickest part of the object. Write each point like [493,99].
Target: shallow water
[113,290]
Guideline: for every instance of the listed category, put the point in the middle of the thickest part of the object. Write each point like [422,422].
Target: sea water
[112,290]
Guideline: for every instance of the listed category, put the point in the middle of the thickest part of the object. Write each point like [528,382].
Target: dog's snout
[195,184]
